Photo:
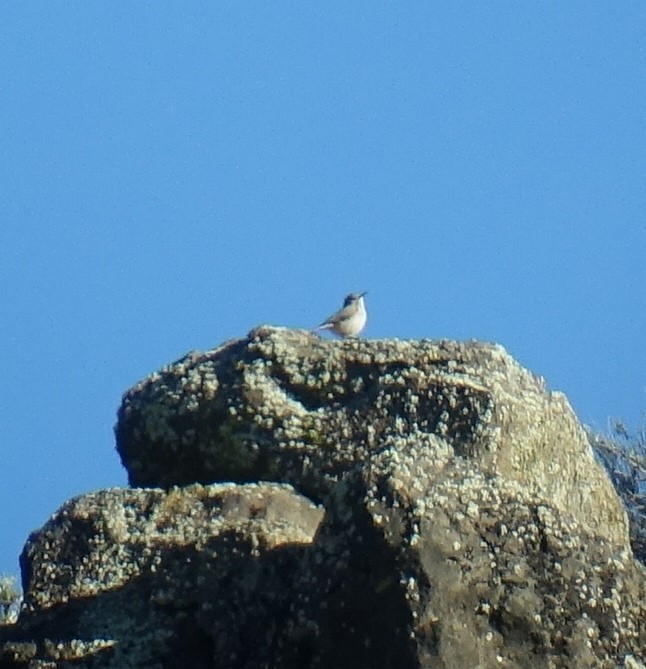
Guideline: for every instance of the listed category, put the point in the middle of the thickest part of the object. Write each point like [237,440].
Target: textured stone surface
[463,571]
[147,578]
[284,405]
[466,522]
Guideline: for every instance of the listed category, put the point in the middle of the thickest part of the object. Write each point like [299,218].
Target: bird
[350,319]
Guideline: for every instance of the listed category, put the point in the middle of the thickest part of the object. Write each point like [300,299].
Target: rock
[462,571]
[284,405]
[144,578]
[464,521]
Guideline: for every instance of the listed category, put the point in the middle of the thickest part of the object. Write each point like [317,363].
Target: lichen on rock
[291,407]
[299,502]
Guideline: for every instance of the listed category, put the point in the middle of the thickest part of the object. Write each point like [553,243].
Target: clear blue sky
[173,174]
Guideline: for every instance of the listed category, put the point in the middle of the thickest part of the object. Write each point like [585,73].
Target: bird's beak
[364,293]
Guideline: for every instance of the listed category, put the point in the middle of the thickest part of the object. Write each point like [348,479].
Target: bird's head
[352,298]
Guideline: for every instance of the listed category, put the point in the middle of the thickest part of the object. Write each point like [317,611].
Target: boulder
[285,405]
[299,502]
[154,578]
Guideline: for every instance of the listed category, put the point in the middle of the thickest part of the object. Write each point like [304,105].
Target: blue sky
[173,174]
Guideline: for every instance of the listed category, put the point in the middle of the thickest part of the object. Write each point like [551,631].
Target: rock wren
[350,320]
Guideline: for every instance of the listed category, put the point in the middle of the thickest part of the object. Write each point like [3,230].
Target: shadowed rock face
[149,578]
[459,520]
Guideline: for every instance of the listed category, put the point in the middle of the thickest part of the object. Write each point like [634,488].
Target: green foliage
[9,599]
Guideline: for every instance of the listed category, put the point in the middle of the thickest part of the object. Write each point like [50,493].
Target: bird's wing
[341,315]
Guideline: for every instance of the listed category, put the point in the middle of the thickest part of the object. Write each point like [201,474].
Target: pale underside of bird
[350,320]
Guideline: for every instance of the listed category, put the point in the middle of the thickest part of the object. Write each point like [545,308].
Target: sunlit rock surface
[284,405]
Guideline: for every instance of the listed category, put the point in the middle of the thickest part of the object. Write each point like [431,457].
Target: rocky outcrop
[148,578]
[284,405]
[427,504]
